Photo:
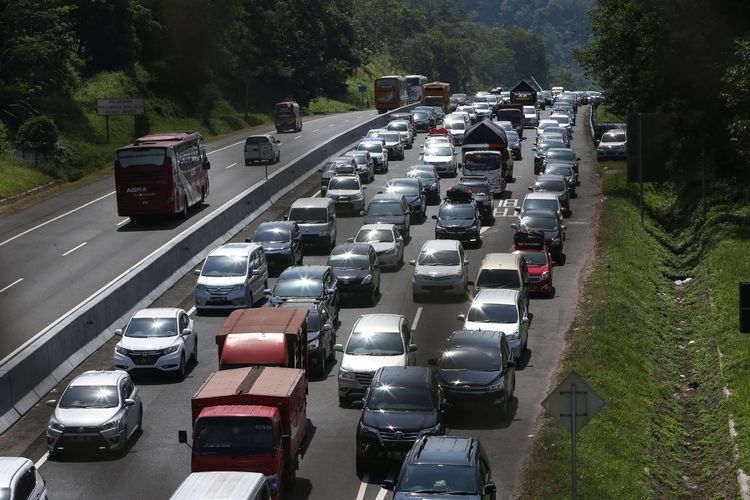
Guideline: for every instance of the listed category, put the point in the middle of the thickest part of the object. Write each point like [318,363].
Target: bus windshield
[482,162]
[141,157]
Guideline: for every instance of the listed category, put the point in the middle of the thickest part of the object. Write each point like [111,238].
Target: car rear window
[257,140]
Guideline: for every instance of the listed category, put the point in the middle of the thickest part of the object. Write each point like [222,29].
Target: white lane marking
[126,219]
[297,137]
[230,166]
[41,461]
[347,121]
[74,249]
[14,283]
[225,147]
[55,218]
[381,494]
[485,228]
[316,130]
[331,125]
[363,487]
[416,318]
[191,311]
[317,193]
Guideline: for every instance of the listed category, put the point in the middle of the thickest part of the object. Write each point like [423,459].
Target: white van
[262,148]
[233,275]
[224,485]
[316,218]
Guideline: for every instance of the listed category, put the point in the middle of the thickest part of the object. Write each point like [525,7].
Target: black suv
[480,190]
[449,466]
[401,404]
[281,241]
[477,365]
[458,221]
[307,282]
[321,335]
[357,271]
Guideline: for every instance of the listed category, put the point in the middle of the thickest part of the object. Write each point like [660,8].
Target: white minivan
[233,275]
[224,485]
[441,269]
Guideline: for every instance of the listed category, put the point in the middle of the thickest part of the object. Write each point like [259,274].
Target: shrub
[38,133]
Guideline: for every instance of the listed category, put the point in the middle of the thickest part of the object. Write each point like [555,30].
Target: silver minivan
[316,218]
[233,275]
[262,148]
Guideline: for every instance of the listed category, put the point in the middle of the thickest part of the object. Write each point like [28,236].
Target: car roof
[306,271]
[381,323]
[499,259]
[441,245]
[402,180]
[473,338]
[354,248]
[157,312]
[426,167]
[98,377]
[230,249]
[10,467]
[312,203]
[496,296]
[403,376]
[539,212]
[540,195]
[446,450]
[377,225]
[387,197]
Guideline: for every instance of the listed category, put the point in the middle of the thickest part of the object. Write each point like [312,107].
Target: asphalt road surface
[155,463]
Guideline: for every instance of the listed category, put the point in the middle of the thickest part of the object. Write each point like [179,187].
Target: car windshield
[561,155]
[553,170]
[400,126]
[613,137]
[540,204]
[549,185]
[438,151]
[233,435]
[425,175]
[529,110]
[439,258]
[410,188]
[457,211]
[439,478]
[533,258]
[392,398]
[499,278]
[375,344]
[492,313]
[512,136]
[386,208]
[468,358]
[225,266]
[308,215]
[142,328]
[298,287]
[540,223]
[348,260]
[344,183]
[455,125]
[90,396]
[374,236]
[272,234]
[371,146]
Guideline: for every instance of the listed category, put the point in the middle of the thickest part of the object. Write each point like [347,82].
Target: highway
[155,463]
[59,252]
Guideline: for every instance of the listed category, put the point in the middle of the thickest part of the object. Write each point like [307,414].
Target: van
[224,485]
[262,149]
[316,218]
[233,275]
[503,270]
[287,116]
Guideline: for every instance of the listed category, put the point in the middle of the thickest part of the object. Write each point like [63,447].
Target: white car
[441,269]
[544,124]
[500,310]
[347,192]
[442,157]
[161,339]
[19,479]
[613,145]
[386,240]
[530,117]
[100,409]
[376,340]
[233,275]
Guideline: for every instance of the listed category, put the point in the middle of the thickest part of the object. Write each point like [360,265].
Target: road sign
[561,404]
[116,107]
[362,89]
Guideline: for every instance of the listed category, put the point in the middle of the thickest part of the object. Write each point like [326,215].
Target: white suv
[500,310]
[376,340]
[441,268]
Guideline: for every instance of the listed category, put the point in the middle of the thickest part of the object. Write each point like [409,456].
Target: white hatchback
[441,268]
[386,240]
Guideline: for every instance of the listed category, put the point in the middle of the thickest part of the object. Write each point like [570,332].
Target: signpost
[573,403]
[362,90]
[119,107]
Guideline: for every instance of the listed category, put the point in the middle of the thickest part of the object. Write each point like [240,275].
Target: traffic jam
[326,315]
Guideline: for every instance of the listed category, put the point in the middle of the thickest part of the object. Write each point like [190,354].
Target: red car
[536,253]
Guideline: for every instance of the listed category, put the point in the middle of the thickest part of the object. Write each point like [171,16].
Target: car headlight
[313,344]
[439,228]
[498,386]
[202,287]
[430,430]
[544,275]
[324,233]
[121,350]
[346,374]
[111,424]
[433,186]
[57,426]
[237,288]
[170,349]
[474,227]
[367,279]
[390,251]
[367,429]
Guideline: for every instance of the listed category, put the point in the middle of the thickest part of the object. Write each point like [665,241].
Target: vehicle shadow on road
[160,222]
[524,360]
[480,418]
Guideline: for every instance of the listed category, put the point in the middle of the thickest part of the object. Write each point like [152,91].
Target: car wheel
[343,402]
[362,464]
[195,350]
[372,298]
[331,351]
[504,408]
[140,421]
[182,370]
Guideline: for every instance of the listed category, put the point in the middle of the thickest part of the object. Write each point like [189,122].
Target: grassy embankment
[83,133]
[648,348]
[603,115]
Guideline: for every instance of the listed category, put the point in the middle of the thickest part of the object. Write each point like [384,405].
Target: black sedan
[306,282]
[458,221]
[544,221]
[281,241]
[414,192]
[480,190]
[357,271]
[321,335]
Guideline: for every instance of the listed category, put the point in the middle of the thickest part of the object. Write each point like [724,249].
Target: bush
[5,145]
[38,133]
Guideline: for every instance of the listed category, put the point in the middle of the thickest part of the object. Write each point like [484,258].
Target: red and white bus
[391,92]
[163,173]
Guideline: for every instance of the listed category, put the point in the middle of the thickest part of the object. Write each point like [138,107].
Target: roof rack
[459,194]
[528,238]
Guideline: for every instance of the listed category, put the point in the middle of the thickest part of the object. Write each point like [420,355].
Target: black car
[458,221]
[307,282]
[477,367]
[480,189]
[357,271]
[563,155]
[401,404]
[544,221]
[281,241]
[554,184]
[444,466]
[430,181]
[414,193]
[565,170]
[540,153]
[321,334]
[422,121]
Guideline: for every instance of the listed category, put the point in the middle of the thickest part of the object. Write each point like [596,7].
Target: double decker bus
[163,173]
[415,83]
[391,92]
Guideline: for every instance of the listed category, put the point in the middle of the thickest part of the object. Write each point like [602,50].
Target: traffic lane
[37,257]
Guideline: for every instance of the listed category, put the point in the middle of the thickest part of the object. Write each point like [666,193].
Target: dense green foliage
[688,59]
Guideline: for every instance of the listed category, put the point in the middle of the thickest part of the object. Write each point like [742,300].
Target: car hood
[382,246]
[221,281]
[437,159]
[365,363]
[437,271]
[399,420]
[390,219]
[456,223]
[148,344]
[346,275]
[275,247]
[506,328]
[84,417]
[451,378]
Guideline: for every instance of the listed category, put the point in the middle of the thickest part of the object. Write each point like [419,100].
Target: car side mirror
[563,228]
[197,272]
[388,484]
[286,217]
[206,165]
[52,403]
[267,291]
[186,332]
[362,213]
[525,320]
[466,261]
[328,327]
[338,348]
[517,209]
[511,363]
[118,332]
[128,403]
[461,318]
[435,217]
[412,347]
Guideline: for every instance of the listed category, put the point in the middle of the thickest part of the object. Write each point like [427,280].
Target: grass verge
[603,115]
[641,343]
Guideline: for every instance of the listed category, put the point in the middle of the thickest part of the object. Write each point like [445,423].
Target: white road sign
[115,107]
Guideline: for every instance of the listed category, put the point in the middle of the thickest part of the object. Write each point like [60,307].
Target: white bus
[415,83]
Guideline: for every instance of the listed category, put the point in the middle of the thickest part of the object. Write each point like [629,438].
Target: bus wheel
[184,208]
[203,196]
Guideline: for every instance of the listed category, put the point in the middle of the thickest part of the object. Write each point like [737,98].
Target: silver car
[160,338]
[100,409]
[233,275]
[20,479]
